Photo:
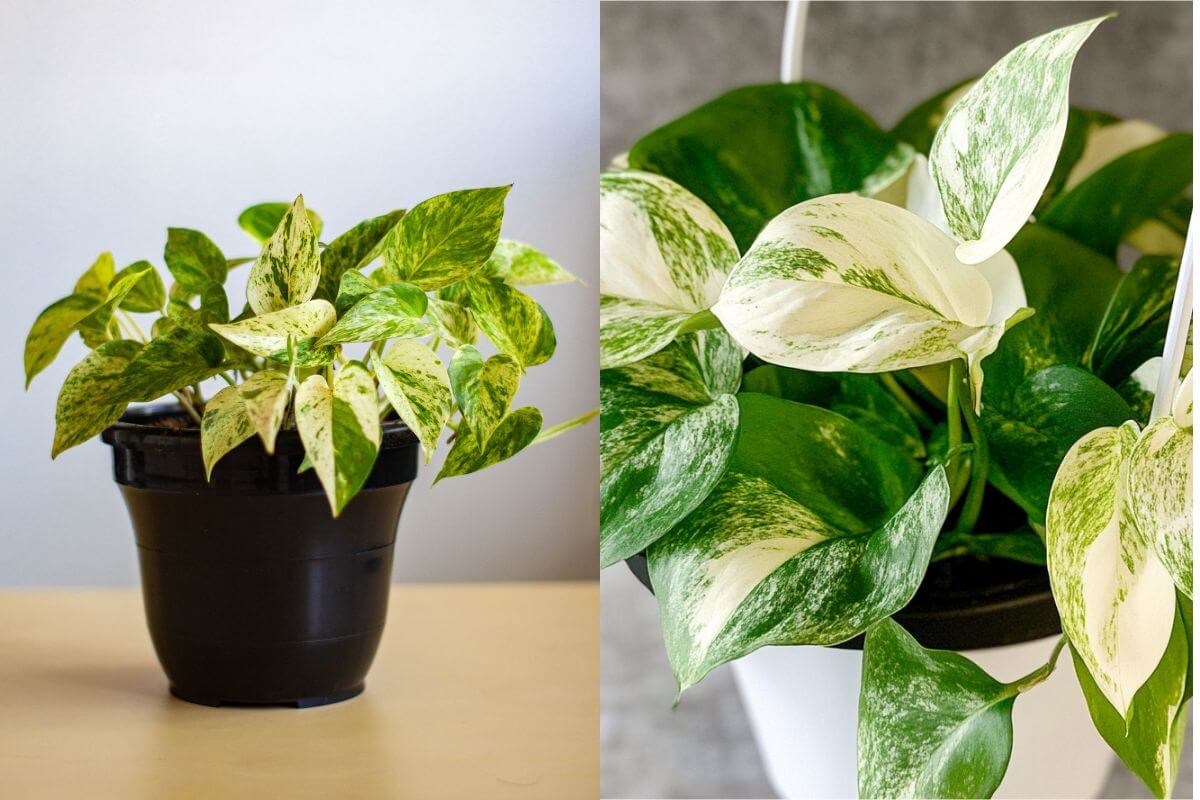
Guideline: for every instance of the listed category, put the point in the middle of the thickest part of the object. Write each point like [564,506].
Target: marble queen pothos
[398,286]
[831,353]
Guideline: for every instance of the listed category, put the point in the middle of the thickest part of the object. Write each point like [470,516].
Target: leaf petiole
[1021,685]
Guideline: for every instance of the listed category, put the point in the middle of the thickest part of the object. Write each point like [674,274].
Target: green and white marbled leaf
[265,395]
[94,326]
[339,427]
[668,424]
[445,238]
[225,425]
[288,269]
[51,330]
[844,283]
[484,390]
[267,334]
[148,294]
[995,151]
[418,387]
[261,220]
[514,433]
[95,280]
[92,397]
[393,312]
[193,260]
[930,722]
[1114,596]
[1160,488]
[518,264]
[354,250]
[180,356]
[352,287]
[452,322]
[664,256]
[513,320]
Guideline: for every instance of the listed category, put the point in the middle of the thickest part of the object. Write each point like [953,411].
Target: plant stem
[953,420]
[228,379]
[133,322]
[188,407]
[905,399]
[700,321]
[969,514]
[1041,673]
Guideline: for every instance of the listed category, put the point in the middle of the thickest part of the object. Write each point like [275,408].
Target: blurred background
[662,59]
[124,118]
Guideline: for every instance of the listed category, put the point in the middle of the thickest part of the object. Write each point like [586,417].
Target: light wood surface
[479,691]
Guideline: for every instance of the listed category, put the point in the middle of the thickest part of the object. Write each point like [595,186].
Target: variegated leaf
[96,322]
[663,257]
[483,389]
[352,287]
[1114,596]
[92,397]
[267,334]
[445,238]
[518,264]
[513,320]
[179,357]
[794,550]
[340,430]
[51,330]
[265,395]
[260,221]
[562,427]
[288,269]
[667,427]
[353,250]
[514,433]
[95,280]
[306,354]
[148,294]
[995,151]
[418,387]
[391,312]
[225,425]
[452,322]
[193,260]
[844,283]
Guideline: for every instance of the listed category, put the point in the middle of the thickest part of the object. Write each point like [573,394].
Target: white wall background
[121,118]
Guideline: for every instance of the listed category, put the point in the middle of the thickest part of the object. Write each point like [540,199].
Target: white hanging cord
[793,41]
[1177,331]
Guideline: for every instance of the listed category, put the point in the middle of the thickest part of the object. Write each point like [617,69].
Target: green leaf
[267,334]
[513,320]
[95,281]
[95,325]
[391,312]
[849,284]
[1114,597]
[514,433]
[996,149]
[225,425]
[287,270]
[1108,205]
[445,238]
[1151,741]
[789,549]
[214,306]
[51,330]
[668,424]
[265,395]
[418,387]
[340,430]
[354,249]
[757,150]
[563,427]
[148,294]
[354,286]
[92,397]
[1078,153]
[179,357]
[260,221]
[452,322]
[930,722]
[307,354]
[193,260]
[518,264]
[1134,328]
[664,256]
[483,389]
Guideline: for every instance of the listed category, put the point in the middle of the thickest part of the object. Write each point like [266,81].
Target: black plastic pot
[254,593]
[965,603]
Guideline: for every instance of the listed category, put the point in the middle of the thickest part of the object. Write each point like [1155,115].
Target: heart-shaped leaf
[95,280]
[148,294]
[452,322]
[260,221]
[288,269]
[518,264]
[394,311]
[340,430]
[418,387]
[353,250]
[180,356]
[93,395]
[51,330]
[788,549]
[513,320]
[265,395]
[483,389]
[1134,327]
[667,427]
[193,260]
[1114,596]
[225,425]
[663,258]
[354,286]
[991,174]
[267,334]
[514,433]
[445,238]
[94,325]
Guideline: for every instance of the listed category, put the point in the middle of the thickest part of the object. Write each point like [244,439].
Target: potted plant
[265,514]
[888,394]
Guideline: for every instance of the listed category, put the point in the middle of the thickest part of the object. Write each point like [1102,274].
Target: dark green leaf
[194,261]
[354,249]
[179,357]
[1134,327]
[354,286]
[919,125]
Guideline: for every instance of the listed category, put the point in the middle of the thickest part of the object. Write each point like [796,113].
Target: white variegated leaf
[452,322]
[518,264]
[995,151]
[1114,596]
[483,389]
[288,270]
[267,334]
[664,255]
[418,387]
[265,395]
[225,425]
[394,311]
[843,283]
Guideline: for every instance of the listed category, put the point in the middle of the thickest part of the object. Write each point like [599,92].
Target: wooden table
[479,691]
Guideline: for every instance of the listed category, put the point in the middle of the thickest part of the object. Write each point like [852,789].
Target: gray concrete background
[659,60]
